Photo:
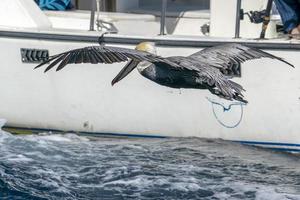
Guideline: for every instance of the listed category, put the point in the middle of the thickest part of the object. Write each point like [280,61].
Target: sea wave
[69,166]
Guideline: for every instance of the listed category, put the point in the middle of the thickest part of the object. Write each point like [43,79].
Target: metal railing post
[266,19]
[238,18]
[163,17]
[92,18]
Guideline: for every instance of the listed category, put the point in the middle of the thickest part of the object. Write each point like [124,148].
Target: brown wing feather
[230,56]
[100,54]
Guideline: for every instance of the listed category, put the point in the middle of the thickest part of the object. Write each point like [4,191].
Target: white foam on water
[267,193]
[139,182]
[3,134]
[143,182]
[262,192]
[68,137]
[2,122]
[185,186]
[135,146]
[53,137]
[113,172]
[18,158]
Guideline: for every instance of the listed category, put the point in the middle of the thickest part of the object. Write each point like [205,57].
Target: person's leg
[289,12]
[298,12]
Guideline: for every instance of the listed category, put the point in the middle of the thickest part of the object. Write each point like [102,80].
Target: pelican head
[147,47]
[143,46]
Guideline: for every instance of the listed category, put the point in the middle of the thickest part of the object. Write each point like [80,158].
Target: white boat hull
[80,98]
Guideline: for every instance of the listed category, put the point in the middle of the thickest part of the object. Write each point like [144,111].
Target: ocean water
[51,166]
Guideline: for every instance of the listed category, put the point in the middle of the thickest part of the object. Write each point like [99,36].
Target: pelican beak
[125,71]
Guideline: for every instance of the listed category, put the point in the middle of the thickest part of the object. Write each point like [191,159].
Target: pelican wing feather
[210,76]
[224,87]
[99,54]
[228,57]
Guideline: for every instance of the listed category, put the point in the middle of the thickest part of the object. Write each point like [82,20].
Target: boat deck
[133,28]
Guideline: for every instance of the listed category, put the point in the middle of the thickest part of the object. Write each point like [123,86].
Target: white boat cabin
[142,18]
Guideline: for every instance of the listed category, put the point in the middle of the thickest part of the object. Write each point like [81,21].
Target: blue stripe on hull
[286,147]
[290,147]
[269,143]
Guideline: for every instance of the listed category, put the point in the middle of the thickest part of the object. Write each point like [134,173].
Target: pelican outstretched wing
[228,57]
[212,77]
[99,54]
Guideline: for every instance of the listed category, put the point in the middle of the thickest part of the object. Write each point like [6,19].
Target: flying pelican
[210,68]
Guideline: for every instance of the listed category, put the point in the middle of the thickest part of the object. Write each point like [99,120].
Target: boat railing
[101,24]
[111,28]
[163,17]
[255,17]
[264,17]
[238,18]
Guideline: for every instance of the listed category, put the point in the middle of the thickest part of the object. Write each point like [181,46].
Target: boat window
[174,5]
[145,5]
